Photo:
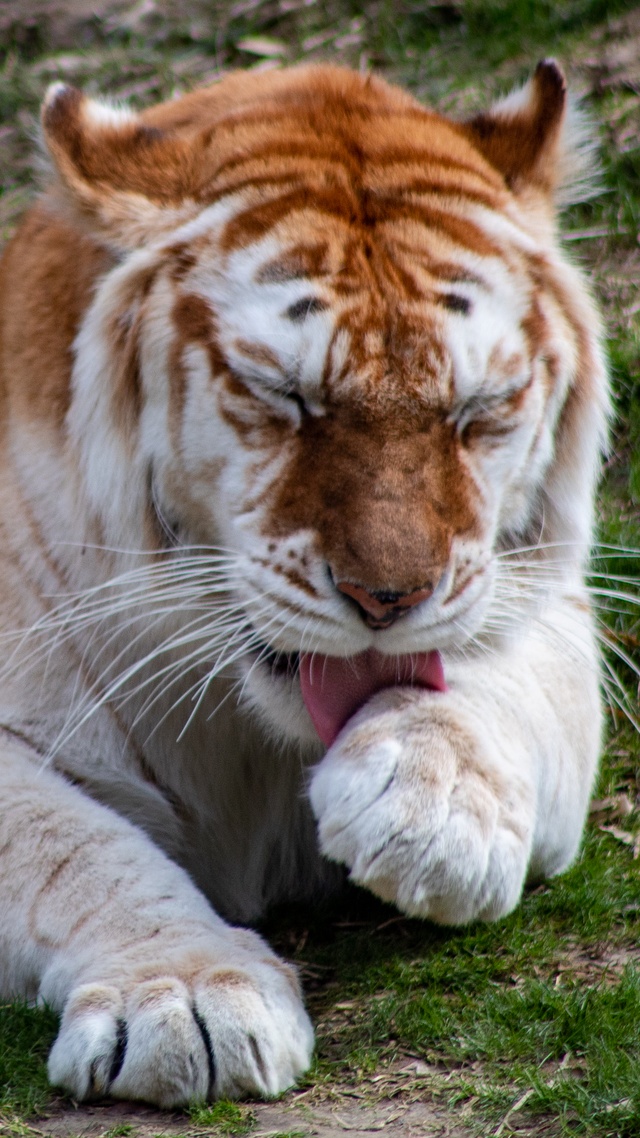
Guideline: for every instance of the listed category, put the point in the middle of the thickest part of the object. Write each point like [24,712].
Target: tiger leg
[160,999]
[444,803]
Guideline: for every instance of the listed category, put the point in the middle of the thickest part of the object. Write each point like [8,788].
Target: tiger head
[339,341]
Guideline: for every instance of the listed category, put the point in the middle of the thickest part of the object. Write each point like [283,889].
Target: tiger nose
[382,609]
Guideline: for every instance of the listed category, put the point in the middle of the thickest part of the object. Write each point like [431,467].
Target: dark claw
[119,1052]
[208,1046]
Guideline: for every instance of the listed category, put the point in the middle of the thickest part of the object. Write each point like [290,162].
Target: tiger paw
[427,807]
[175,1039]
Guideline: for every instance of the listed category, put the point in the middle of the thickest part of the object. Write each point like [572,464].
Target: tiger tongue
[334,687]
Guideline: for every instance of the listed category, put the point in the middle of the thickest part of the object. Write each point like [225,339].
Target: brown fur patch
[258,354]
[47,278]
[94,998]
[522,144]
[292,575]
[301,261]
[385,500]
[195,323]
[184,260]
[229,978]
[125,337]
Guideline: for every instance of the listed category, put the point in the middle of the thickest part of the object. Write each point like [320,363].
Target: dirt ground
[334,1119]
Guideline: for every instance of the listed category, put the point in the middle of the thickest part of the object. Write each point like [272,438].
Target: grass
[25,1037]
[533,1022]
[224,1117]
[531,1004]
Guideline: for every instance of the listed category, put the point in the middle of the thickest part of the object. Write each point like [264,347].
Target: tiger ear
[127,182]
[522,135]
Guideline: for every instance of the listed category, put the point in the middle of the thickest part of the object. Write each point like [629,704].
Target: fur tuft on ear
[127,182]
[537,139]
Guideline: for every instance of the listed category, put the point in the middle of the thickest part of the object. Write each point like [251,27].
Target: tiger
[303,408]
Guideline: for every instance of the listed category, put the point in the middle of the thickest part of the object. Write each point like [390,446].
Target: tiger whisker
[204,652]
[115,685]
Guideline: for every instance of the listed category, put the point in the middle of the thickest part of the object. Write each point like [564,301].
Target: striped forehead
[276,325]
[399,299]
[403,264]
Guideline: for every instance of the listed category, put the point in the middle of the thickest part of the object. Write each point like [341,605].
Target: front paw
[198,1030]
[426,808]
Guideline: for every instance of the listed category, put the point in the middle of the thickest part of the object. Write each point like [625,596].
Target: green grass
[450,44]
[25,1037]
[523,1014]
[501,1007]
[224,1117]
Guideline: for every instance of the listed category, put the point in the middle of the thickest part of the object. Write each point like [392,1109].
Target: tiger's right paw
[175,1039]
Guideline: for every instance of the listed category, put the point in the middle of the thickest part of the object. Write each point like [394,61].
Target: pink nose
[381,609]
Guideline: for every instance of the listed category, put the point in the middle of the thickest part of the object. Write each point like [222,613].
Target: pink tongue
[334,687]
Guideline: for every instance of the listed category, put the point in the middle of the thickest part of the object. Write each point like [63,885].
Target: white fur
[124,955]
[98,113]
[442,803]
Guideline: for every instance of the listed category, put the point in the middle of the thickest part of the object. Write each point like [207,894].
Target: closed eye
[294,396]
[288,390]
[491,416]
[274,394]
[484,428]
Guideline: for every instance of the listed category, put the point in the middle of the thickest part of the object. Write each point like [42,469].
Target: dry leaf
[619,835]
[418,1068]
[620,805]
[342,1122]
[262,45]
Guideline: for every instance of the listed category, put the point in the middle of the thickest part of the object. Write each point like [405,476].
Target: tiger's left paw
[427,808]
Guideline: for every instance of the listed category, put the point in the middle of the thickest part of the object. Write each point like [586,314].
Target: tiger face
[349,352]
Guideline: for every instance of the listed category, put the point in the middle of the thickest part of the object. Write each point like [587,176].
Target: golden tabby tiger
[302,409]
